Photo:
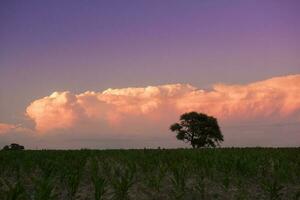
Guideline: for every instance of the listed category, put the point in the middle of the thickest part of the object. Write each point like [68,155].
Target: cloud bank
[272,99]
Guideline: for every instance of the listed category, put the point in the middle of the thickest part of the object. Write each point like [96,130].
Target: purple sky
[58,45]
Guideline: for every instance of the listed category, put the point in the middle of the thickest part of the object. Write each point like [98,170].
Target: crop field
[223,173]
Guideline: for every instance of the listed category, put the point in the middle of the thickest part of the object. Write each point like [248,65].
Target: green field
[223,173]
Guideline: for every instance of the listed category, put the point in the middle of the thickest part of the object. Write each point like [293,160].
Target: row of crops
[230,173]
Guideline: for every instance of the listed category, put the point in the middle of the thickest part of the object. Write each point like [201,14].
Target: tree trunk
[193,145]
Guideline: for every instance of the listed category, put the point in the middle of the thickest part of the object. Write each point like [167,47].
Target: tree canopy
[13,146]
[198,129]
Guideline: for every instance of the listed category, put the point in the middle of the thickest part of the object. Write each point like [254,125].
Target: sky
[116,74]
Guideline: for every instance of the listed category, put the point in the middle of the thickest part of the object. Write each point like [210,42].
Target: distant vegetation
[230,173]
[198,129]
[13,146]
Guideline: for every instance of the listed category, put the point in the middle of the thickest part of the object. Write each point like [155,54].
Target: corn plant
[200,185]
[154,180]
[13,191]
[225,182]
[106,168]
[72,180]
[122,182]
[73,176]
[272,189]
[178,180]
[99,182]
[44,189]
[241,193]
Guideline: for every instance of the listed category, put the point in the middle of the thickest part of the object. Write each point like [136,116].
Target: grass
[225,173]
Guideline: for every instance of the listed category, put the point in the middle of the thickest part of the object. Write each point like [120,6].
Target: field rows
[231,173]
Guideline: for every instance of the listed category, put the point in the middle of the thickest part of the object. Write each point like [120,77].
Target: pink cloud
[5,128]
[273,98]
[59,110]
[276,97]
[10,128]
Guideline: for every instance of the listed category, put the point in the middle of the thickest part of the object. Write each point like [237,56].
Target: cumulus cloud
[273,98]
[59,110]
[276,97]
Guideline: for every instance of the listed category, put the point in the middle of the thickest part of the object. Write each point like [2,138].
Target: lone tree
[198,129]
